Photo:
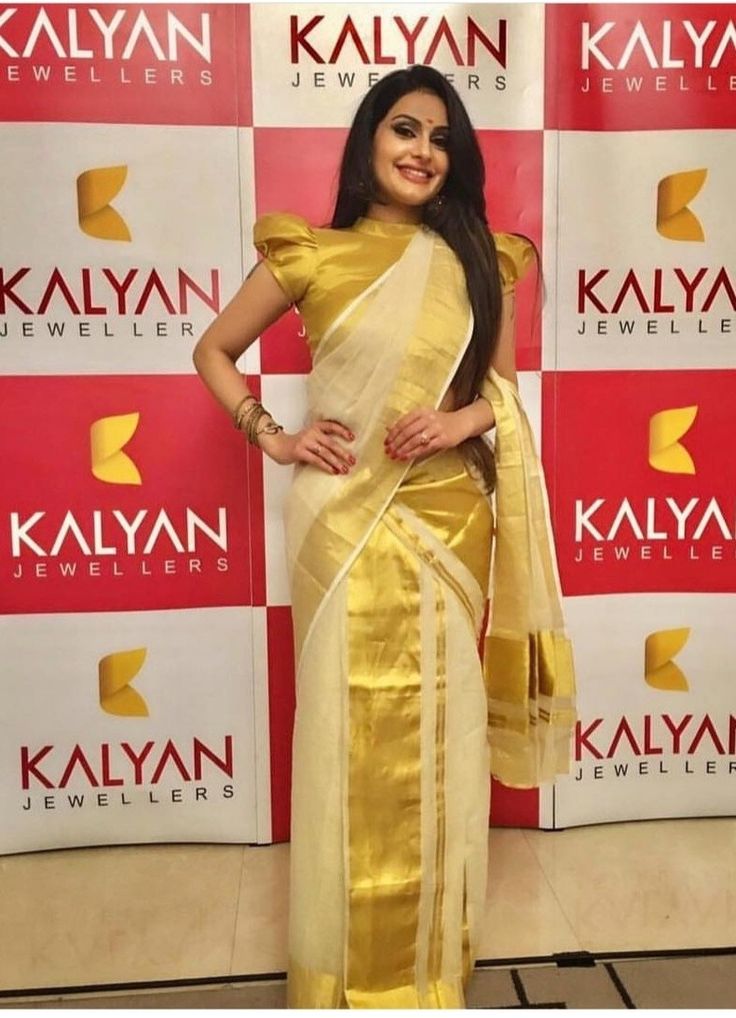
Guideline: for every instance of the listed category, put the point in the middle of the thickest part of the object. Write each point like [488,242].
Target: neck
[408,214]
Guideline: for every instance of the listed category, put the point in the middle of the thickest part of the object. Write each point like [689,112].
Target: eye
[403,130]
[441,141]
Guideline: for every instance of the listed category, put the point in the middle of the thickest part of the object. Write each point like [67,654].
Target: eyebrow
[417,123]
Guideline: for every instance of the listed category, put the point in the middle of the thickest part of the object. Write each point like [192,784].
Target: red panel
[123,63]
[256,511]
[640,528]
[282,705]
[630,67]
[514,167]
[296,170]
[514,807]
[190,461]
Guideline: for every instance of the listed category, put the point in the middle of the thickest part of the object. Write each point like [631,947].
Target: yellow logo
[660,671]
[107,436]
[116,672]
[95,190]
[666,428]
[674,219]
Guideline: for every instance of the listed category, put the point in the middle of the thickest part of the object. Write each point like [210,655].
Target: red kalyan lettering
[78,763]
[672,733]
[473,35]
[651,300]
[119,38]
[137,759]
[29,767]
[154,288]
[657,52]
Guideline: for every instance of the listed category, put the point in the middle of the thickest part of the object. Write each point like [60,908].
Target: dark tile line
[616,980]
[519,987]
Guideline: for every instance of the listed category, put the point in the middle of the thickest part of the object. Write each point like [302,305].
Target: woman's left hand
[423,432]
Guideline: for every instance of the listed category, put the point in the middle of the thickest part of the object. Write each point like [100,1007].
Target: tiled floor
[143,915]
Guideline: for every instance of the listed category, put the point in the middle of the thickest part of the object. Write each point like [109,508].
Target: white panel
[262,745]
[655,778]
[286,398]
[608,224]
[180,205]
[251,361]
[197,683]
[317,83]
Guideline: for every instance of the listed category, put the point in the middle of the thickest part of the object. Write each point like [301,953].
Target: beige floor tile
[87,916]
[577,987]
[491,988]
[708,982]
[648,885]
[245,995]
[523,917]
[262,922]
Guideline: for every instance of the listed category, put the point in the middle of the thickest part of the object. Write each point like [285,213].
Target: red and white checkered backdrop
[147,663]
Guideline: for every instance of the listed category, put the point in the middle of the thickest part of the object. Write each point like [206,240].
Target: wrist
[474,419]
[274,444]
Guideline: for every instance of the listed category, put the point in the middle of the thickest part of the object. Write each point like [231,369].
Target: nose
[421,145]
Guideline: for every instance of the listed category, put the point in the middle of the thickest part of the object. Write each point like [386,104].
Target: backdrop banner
[147,680]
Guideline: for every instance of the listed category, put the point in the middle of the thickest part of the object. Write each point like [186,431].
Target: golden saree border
[436,934]
[384,774]
[353,503]
[527,659]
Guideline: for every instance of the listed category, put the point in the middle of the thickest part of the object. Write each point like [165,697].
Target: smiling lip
[415,174]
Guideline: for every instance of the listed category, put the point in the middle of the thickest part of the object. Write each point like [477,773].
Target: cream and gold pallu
[389,570]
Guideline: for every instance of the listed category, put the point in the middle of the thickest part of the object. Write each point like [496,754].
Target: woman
[389,530]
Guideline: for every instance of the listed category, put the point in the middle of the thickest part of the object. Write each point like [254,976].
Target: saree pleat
[416,774]
[389,568]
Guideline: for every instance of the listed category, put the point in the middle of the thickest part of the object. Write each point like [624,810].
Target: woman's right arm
[259,302]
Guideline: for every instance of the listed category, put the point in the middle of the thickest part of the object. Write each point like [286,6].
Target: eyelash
[404,131]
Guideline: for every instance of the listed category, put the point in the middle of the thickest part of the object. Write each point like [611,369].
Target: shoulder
[283,228]
[516,254]
[289,246]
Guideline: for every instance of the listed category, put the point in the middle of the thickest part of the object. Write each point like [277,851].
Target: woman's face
[410,160]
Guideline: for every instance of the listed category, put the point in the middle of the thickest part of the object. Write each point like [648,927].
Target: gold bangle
[239,410]
[251,423]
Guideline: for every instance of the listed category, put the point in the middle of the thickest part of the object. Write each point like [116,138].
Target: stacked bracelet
[241,409]
[249,419]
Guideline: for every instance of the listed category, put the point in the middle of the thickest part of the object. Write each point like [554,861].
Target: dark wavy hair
[460,219]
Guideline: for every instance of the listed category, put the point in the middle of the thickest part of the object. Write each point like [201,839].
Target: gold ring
[425,440]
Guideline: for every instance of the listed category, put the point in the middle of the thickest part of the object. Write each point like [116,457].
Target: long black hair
[459,218]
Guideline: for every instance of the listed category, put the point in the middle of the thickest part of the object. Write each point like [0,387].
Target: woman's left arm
[445,429]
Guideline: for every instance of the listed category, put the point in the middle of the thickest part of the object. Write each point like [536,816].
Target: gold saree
[389,569]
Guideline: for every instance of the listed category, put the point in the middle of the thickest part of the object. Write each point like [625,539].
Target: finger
[331,427]
[344,455]
[413,437]
[403,422]
[322,450]
[407,432]
[316,461]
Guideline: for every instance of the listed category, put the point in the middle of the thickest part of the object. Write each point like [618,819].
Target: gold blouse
[322,270]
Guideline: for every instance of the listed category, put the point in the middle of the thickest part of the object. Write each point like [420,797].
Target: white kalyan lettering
[122,37]
[111,527]
[654,520]
[656,47]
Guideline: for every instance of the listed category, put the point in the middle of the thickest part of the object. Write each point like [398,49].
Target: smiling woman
[410,159]
[407,300]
